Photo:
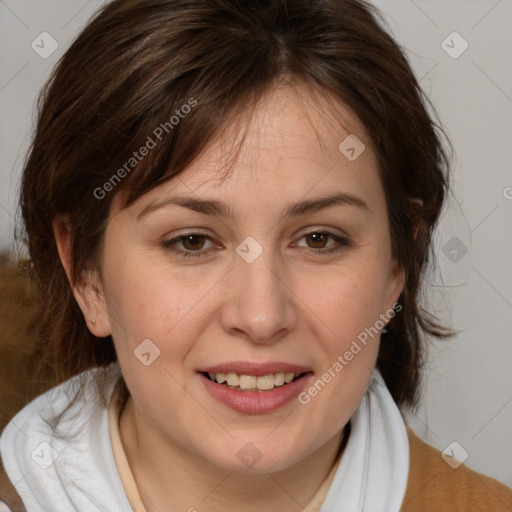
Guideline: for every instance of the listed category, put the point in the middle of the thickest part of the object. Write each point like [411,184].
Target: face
[251,291]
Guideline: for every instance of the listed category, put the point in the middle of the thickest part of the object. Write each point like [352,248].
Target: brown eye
[193,242]
[318,239]
[316,243]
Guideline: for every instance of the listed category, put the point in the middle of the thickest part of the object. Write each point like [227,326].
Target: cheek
[348,299]
[346,314]
[147,301]
[345,306]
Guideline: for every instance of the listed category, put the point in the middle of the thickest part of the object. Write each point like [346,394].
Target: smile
[253,382]
[254,388]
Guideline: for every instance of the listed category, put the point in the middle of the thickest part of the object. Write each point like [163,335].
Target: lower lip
[255,402]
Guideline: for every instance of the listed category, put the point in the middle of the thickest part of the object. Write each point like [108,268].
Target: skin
[288,305]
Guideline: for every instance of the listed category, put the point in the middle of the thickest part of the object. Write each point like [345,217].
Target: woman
[229,209]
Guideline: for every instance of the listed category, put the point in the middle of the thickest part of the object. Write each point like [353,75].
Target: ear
[88,291]
[395,285]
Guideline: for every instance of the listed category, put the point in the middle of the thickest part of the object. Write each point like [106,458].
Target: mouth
[253,383]
[255,388]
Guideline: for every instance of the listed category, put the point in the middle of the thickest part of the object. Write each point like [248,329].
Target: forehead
[298,123]
[289,146]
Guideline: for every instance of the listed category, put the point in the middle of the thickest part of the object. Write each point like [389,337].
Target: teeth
[247,382]
[288,377]
[266,382]
[232,379]
[251,382]
[279,379]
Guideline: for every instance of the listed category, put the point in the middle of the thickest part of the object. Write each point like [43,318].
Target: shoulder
[51,438]
[434,485]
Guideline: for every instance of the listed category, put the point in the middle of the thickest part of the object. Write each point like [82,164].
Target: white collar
[72,471]
[373,471]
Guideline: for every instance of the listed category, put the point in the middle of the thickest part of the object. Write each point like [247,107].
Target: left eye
[318,237]
[194,242]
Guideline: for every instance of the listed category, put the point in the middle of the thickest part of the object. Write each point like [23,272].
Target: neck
[157,462]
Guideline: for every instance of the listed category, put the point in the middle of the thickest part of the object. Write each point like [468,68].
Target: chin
[250,457]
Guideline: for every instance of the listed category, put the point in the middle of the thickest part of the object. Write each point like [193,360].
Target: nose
[259,304]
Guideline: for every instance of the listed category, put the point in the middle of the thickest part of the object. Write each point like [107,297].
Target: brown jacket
[434,486]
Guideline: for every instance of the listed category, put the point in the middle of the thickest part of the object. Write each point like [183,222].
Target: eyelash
[342,243]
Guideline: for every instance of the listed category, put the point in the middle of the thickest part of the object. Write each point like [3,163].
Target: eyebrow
[218,208]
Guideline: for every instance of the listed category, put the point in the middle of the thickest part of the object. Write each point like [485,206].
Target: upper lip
[256,369]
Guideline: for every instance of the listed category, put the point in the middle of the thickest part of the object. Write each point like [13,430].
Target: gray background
[468,395]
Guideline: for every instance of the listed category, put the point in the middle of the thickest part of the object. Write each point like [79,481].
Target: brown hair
[135,65]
